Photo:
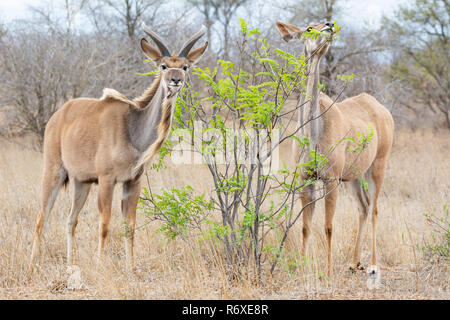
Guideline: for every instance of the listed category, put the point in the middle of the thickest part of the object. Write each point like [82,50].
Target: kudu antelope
[329,126]
[109,140]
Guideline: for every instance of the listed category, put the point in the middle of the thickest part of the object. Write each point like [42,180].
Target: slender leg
[363,205]
[377,177]
[330,206]
[105,195]
[306,197]
[80,193]
[130,197]
[53,179]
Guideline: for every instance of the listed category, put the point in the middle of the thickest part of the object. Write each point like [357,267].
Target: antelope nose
[176,80]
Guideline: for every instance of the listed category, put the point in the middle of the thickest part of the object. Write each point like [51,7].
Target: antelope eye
[185,68]
[163,66]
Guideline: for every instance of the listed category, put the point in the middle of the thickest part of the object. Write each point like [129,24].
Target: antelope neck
[309,105]
[143,123]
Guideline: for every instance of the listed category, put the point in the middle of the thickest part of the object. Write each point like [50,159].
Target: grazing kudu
[109,140]
[329,125]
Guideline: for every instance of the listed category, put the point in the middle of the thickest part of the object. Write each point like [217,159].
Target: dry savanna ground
[417,182]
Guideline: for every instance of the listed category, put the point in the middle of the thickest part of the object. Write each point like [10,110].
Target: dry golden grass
[417,181]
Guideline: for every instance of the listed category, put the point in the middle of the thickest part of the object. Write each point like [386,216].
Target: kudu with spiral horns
[109,140]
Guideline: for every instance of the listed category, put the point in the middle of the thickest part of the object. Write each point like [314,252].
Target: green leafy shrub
[238,139]
[438,249]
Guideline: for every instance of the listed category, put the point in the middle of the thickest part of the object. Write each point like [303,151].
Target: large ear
[195,55]
[150,51]
[284,29]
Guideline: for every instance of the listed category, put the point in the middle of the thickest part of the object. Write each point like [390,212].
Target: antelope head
[316,44]
[173,67]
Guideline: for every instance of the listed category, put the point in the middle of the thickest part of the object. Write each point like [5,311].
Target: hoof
[374,280]
[373,271]
[74,280]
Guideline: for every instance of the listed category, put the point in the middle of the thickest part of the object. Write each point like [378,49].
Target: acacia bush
[238,139]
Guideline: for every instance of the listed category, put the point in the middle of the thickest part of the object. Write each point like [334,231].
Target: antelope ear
[150,51]
[284,29]
[195,55]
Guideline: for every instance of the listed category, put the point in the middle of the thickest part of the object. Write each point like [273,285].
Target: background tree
[222,13]
[206,10]
[420,38]
[129,13]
